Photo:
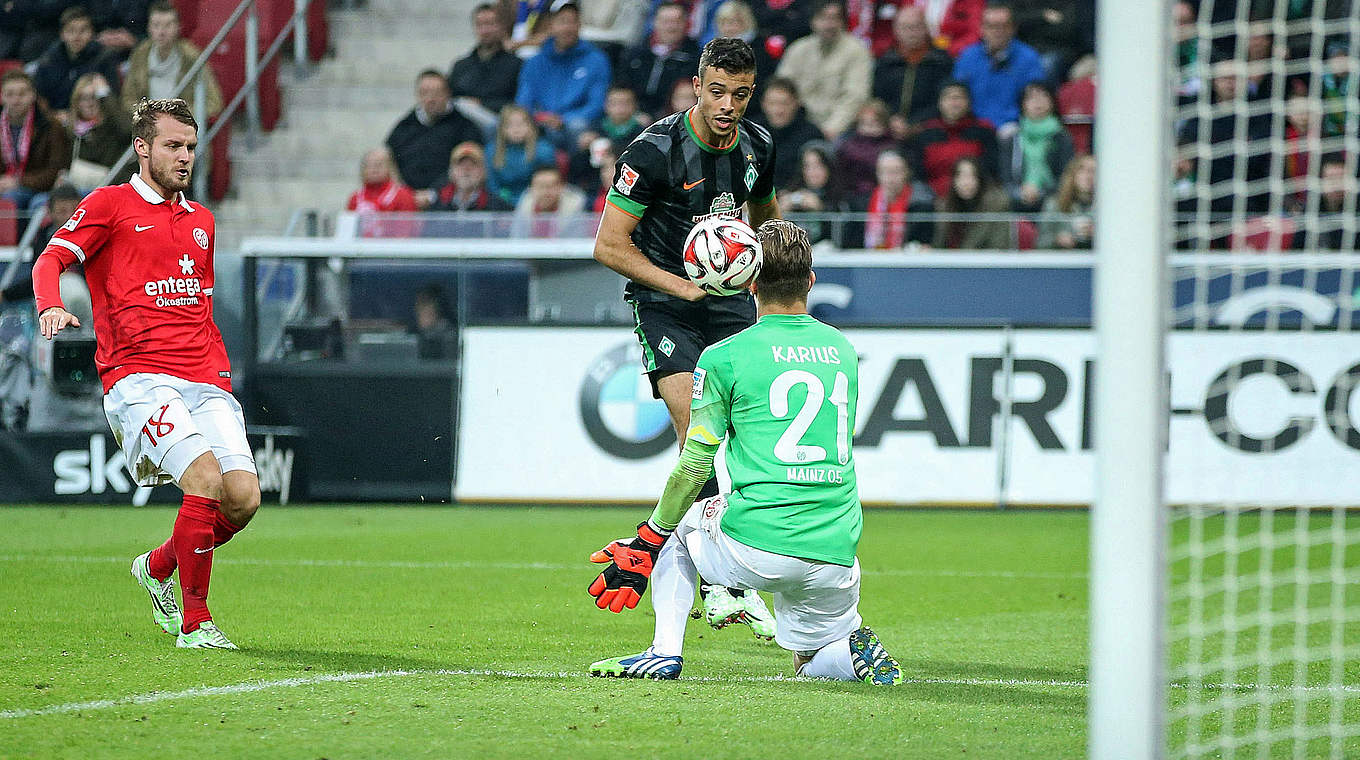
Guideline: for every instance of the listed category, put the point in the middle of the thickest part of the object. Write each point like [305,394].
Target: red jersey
[149,265]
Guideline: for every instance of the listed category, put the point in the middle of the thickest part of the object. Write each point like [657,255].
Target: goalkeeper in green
[784,392]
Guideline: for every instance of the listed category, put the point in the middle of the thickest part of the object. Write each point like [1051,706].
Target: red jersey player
[147,253]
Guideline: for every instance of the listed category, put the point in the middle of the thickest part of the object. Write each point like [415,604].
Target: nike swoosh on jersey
[203,551]
[692,185]
[140,228]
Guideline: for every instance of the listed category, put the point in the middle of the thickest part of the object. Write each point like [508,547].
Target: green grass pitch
[466,632]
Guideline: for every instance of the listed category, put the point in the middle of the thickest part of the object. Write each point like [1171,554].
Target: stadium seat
[219,176]
[229,60]
[281,11]
[9,222]
[1259,234]
[1077,105]
[1026,235]
[188,17]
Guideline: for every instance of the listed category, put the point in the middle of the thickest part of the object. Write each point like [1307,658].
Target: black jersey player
[689,166]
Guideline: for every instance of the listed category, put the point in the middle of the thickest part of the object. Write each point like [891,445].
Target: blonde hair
[1067,186]
[736,8]
[81,82]
[530,142]
[786,261]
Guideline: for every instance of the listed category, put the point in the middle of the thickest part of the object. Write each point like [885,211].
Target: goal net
[1262,467]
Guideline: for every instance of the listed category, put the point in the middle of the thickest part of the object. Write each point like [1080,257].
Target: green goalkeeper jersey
[787,388]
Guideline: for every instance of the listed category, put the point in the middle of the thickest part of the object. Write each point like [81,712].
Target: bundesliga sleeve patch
[628,177]
[699,375]
[71,223]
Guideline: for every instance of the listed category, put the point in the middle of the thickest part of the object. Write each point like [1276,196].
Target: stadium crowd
[873,105]
[936,121]
[70,73]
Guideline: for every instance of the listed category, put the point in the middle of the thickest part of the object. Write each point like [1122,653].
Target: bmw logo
[618,410]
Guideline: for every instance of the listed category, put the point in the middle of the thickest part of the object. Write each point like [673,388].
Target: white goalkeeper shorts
[815,603]
[163,423]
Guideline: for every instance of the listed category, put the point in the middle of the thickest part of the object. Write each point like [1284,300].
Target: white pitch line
[499,565]
[283,683]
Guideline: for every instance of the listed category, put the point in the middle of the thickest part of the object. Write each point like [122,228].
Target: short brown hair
[17,75]
[145,112]
[74,13]
[786,261]
[162,6]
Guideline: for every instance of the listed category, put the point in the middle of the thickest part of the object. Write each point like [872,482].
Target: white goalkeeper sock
[672,585]
[831,661]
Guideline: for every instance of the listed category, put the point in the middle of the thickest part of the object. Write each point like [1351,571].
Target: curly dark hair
[731,54]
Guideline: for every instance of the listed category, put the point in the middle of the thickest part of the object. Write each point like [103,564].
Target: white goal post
[1225,589]
[1132,141]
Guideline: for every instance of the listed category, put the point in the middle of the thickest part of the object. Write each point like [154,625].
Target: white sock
[672,586]
[831,661]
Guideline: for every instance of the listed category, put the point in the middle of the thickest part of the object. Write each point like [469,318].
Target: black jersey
[669,178]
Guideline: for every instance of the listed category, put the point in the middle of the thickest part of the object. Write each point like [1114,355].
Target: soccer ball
[722,255]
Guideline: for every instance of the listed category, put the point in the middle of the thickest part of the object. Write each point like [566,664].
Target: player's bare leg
[675,390]
[240,498]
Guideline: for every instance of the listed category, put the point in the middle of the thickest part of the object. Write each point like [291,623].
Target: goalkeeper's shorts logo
[617,408]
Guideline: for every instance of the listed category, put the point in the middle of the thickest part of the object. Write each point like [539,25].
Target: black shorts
[674,332]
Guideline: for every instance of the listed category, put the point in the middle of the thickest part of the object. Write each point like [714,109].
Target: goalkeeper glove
[630,565]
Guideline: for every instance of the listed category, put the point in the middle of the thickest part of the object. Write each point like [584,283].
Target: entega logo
[188,287]
[618,410]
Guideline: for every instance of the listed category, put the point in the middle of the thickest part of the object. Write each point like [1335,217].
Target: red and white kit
[148,261]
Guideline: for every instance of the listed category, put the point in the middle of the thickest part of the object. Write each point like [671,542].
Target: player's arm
[762,212]
[762,206]
[79,238]
[631,559]
[52,315]
[624,581]
[615,249]
[706,429]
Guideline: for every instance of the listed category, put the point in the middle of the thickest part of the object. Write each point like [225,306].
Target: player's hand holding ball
[631,561]
[722,256]
[52,320]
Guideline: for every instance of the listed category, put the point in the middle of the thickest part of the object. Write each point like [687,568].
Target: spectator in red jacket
[1077,102]
[954,24]
[466,190]
[872,22]
[1302,140]
[956,133]
[381,193]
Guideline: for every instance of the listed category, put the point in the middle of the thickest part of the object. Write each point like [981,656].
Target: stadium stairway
[346,105]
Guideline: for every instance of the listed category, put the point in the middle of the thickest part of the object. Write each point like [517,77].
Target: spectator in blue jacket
[515,154]
[564,85]
[997,68]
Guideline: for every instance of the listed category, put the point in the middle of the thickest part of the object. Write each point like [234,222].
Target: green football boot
[163,607]
[755,614]
[206,636]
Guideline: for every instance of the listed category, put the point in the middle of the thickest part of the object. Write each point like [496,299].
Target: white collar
[151,196]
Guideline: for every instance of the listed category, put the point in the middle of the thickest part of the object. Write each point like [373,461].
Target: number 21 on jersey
[790,448]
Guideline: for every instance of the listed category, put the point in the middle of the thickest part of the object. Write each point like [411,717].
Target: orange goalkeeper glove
[630,565]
